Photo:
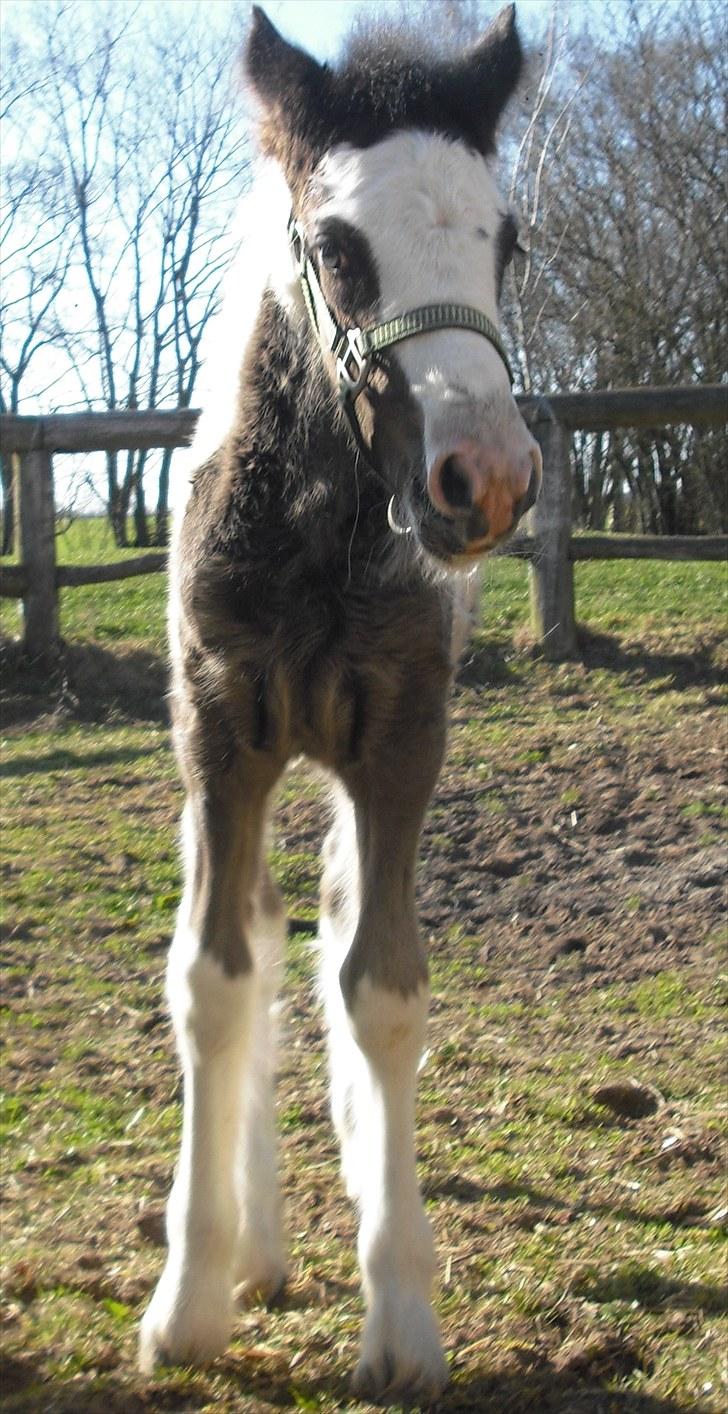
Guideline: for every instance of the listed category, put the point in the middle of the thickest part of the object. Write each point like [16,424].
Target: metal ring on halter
[398,529]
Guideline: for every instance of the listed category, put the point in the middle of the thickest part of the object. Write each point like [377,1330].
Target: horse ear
[487,74]
[284,77]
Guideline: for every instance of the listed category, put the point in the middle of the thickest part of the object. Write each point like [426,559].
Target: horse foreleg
[261,1267]
[213,990]
[378,1031]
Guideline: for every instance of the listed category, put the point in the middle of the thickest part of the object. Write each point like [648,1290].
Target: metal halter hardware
[356,351]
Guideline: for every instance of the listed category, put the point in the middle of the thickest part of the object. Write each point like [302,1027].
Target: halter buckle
[297,242]
[353,362]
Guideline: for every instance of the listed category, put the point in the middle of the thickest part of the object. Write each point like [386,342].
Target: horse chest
[345,658]
[319,663]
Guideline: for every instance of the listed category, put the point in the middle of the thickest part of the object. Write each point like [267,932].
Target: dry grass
[580,1247]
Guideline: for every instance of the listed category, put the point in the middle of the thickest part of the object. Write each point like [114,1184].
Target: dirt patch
[615,856]
[571,890]
[597,860]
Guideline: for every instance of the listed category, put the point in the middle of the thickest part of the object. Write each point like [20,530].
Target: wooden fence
[550,547]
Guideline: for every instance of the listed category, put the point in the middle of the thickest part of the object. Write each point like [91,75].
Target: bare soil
[572,890]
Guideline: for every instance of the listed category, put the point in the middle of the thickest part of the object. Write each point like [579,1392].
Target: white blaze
[430,211]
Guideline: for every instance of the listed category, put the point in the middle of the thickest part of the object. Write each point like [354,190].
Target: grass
[581,1252]
[632,598]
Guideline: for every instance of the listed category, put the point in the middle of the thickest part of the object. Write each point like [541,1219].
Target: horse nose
[487,489]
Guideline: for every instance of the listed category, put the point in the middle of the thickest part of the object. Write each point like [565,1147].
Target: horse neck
[288,425]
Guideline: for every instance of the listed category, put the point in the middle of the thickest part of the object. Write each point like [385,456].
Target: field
[572,1104]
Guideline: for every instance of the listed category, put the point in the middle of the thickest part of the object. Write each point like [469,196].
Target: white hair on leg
[349,1082]
[401,1347]
[191,1313]
[374,1055]
[261,1265]
[348,1078]
[224,1208]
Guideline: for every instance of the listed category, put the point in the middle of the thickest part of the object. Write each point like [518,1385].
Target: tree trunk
[161,520]
[8,471]
[116,508]
[141,528]
[597,506]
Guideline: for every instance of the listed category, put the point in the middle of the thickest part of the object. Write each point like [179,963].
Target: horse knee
[388,1025]
[208,1007]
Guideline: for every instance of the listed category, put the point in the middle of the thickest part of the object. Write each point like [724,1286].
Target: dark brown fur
[306,625]
[302,624]
[382,86]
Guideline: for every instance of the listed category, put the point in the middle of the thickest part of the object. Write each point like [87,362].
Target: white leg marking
[350,1088]
[261,1265]
[190,1316]
[348,1074]
[374,1054]
[401,1349]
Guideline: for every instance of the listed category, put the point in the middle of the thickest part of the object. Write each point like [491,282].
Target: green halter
[356,350]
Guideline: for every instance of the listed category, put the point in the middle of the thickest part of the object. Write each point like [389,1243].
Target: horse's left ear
[486,76]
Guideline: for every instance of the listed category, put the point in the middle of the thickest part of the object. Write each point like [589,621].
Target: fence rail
[551,549]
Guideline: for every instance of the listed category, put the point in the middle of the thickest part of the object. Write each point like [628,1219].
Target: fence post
[552,571]
[36,530]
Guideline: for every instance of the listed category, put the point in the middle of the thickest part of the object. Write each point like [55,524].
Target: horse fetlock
[190,1317]
[398,1256]
[401,1354]
[261,1269]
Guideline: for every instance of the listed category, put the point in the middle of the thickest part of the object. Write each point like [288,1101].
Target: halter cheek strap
[356,351]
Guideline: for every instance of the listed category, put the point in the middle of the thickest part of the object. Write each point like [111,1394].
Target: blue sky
[321,25]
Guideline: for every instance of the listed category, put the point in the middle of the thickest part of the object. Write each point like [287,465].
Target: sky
[322,25]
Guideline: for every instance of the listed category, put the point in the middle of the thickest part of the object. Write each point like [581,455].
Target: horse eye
[330,255]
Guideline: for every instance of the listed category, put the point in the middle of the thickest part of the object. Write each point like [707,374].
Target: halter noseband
[356,351]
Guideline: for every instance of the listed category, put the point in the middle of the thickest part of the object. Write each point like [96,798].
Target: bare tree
[36,252]
[145,137]
[620,180]
[642,277]
[551,98]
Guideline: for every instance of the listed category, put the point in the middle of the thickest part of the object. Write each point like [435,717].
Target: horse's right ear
[283,77]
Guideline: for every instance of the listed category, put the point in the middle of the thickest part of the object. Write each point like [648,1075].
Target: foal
[338,478]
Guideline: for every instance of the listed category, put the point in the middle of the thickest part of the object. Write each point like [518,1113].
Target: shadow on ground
[41,762]
[491,663]
[85,683]
[698,668]
[540,1387]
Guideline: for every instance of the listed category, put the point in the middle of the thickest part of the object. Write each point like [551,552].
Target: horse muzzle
[483,490]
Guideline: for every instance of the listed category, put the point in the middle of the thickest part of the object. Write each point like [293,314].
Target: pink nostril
[486,487]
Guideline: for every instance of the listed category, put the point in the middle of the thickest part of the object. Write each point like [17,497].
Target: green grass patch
[580,1251]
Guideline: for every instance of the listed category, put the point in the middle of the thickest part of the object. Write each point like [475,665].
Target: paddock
[571,894]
